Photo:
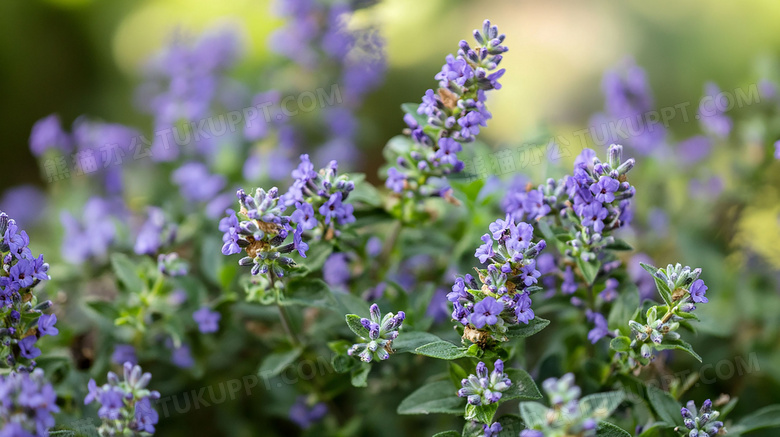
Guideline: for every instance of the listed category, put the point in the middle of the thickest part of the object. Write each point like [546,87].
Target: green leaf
[353,321]
[127,272]
[457,373]
[481,413]
[677,344]
[607,429]
[619,244]
[656,430]
[511,425]
[411,108]
[447,434]
[601,405]
[663,288]
[343,363]
[104,308]
[767,417]
[589,269]
[521,330]
[620,344]
[666,407]
[435,397]
[533,414]
[360,375]
[523,386]
[409,341]
[308,292]
[624,307]
[275,363]
[443,350]
[317,254]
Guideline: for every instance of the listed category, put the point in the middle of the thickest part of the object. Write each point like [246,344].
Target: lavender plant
[143,276]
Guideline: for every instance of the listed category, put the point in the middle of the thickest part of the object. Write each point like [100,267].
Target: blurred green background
[78,57]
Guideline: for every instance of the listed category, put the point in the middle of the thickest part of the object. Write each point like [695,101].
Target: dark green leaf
[104,308]
[656,430]
[436,397]
[619,244]
[666,407]
[316,255]
[275,363]
[589,269]
[533,414]
[360,375]
[601,405]
[409,341]
[620,344]
[481,413]
[511,425]
[443,350]
[607,429]
[677,344]
[127,272]
[523,386]
[309,292]
[522,330]
[767,417]
[353,321]
[447,434]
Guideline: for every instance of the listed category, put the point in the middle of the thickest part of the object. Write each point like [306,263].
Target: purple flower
[604,190]
[207,320]
[600,330]
[498,227]
[229,225]
[593,215]
[111,403]
[46,325]
[25,203]
[27,347]
[304,216]
[485,251]
[470,123]
[610,291]
[456,70]
[92,236]
[22,273]
[712,110]
[492,430]
[531,433]
[448,151]
[523,309]
[569,285]
[196,183]
[47,133]
[304,415]
[146,416]
[486,311]
[336,271]
[395,180]
[697,290]
[336,210]
[181,357]
[298,243]
[124,353]
[694,149]
[149,237]
[534,205]
[777,149]
[27,405]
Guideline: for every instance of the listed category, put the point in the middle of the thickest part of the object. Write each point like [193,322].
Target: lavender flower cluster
[703,424]
[589,204]
[20,311]
[377,334]
[484,389]
[262,233]
[681,289]
[565,417]
[27,404]
[503,299]
[125,405]
[448,117]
